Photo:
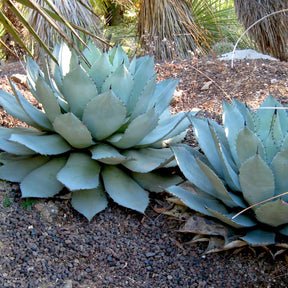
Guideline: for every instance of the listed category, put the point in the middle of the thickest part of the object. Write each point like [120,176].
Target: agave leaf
[274,138]
[284,230]
[186,159]
[195,201]
[120,82]
[202,132]
[33,73]
[156,182]
[256,180]
[266,116]
[39,119]
[47,99]
[167,127]
[229,170]
[136,130]
[73,130]
[248,144]
[104,115]
[279,167]
[221,192]
[16,170]
[233,122]
[285,142]
[120,57]
[274,213]
[42,181]
[89,202]
[100,75]
[80,172]
[52,144]
[162,97]
[107,154]
[140,104]
[147,159]
[124,190]
[78,90]
[144,73]
[259,238]
[11,105]
[242,221]
[92,54]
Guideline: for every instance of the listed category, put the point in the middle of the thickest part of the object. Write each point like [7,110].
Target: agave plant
[244,165]
[103,127]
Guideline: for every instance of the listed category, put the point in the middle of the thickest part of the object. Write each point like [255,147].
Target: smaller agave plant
[104,127]
[244,165]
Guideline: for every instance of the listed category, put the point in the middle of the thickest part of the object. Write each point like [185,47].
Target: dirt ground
[47,244]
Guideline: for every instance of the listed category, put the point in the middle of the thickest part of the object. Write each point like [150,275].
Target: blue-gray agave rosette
[244,164]
[103,127]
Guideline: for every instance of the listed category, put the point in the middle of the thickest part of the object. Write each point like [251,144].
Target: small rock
[206,86]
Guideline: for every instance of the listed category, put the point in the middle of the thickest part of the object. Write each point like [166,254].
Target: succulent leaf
[107,154]
[259,238]
[156,182]
[16,170]
[98,115]
[42,181]
[80,172]
[73,130]
[136,130]
[89,202]
[147,159]
[51,144]
[274,213]
[78,90]
[279,167]
[48,99]
[256,180]
[248,144]
[124,190]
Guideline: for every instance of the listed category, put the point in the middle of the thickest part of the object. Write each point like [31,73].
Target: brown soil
[47,244]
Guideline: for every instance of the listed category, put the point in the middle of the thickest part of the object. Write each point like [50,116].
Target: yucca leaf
[124,190]
[51,144]
[274,213]
[42,181]
[100,75]
[248,144]
[107,154]
[80,172]
[136,130]
[120,82]
[256,180]
[147,159]
[239,222]
[259,238]
[78,90]
[47,99]
[156,181]
[73,130]
[16,170]
[89,202]
[104,115]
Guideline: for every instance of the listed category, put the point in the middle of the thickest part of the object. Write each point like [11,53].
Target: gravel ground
[47,244]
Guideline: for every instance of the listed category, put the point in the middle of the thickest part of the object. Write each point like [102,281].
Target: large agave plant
[103,127]
[244,164]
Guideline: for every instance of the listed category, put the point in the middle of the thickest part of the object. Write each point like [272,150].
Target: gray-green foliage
[102,128]
[244,162]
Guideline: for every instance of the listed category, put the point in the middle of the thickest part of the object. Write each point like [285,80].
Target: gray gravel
[51,245]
